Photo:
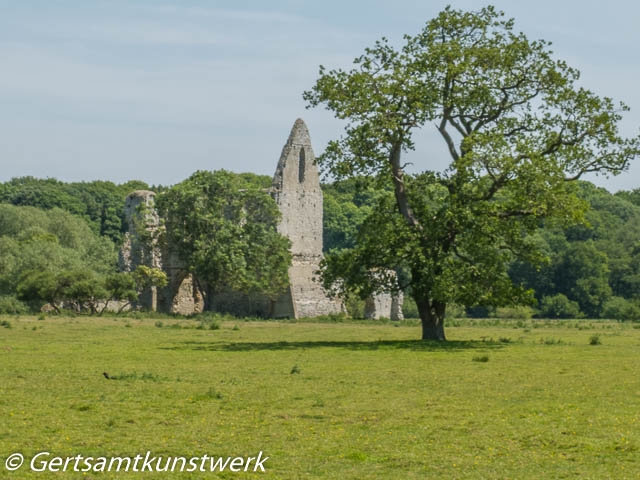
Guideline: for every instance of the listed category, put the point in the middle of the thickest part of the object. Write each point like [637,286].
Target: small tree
[518,131]
[127,287]
[77,289]
[224,229]
[559,306]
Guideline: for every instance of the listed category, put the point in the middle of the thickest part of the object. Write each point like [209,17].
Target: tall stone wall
[384,305]
[296,190]
[182,294]
[139,247]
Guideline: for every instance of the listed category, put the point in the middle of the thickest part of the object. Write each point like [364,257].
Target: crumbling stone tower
[182,294]
[296,190]
[139,245]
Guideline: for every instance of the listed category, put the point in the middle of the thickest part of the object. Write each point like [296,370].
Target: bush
[618,308]
[559,306]
[594,340]
[520,312]
[11,305]
[354,306]
[455,311]
[480,311]
[409,308]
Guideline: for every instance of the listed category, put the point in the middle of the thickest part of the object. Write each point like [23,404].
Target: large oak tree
[519,130]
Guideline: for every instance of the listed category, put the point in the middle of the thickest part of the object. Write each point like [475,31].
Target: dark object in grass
[106,375]
[595,340]
[481,358]
[295,369]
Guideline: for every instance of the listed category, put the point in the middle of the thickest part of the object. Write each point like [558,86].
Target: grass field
[501,399]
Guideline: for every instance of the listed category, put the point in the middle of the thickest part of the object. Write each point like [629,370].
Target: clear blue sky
[154,90]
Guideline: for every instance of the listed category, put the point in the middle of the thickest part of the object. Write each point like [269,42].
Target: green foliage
[99,203]
[595,340]
[354,306]
[481,358]
[127,287]
[519,131]
[51,256]
[9,304]
[632,196]
[78,290]
[522,312]
[409,308]
[347,203]
[559,306]
[589,262]
[224,229]
[454,311]
[618,308]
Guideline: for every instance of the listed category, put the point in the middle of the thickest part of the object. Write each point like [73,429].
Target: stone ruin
[296,190]
[183,293]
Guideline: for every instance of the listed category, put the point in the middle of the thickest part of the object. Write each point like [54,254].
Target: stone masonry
[296,190]
[182,294]
[384,305]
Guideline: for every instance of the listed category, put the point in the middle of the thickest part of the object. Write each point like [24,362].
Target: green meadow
[501,399]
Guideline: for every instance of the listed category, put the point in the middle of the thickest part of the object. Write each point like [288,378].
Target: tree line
[590,269]
[55,245]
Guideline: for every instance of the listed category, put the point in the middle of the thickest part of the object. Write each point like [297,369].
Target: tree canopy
[519,132]
[45,244]
[99,203]
[223,226]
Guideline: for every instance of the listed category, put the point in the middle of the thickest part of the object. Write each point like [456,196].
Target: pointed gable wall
[296,189]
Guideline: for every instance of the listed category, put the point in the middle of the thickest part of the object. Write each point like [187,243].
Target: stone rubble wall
[384,305]
[296,190]
[182,294]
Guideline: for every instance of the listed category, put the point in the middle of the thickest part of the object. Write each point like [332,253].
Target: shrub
[481,358]
[10,305]
[520,311]
[354,306]
[618,308]
[595,340]
[5,324]
[409,308]
[480,311]
[455,311]
[559,306]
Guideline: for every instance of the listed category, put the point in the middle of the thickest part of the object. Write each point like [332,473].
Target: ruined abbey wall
[296,190]
[182,294]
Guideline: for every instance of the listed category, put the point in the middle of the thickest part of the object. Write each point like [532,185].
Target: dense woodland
[48,227]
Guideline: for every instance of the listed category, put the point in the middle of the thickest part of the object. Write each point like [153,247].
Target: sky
[155,90]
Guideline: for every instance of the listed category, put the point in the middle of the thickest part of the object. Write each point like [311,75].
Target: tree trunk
[432,316]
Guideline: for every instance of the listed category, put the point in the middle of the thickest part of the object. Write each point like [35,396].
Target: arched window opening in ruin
[301,166]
